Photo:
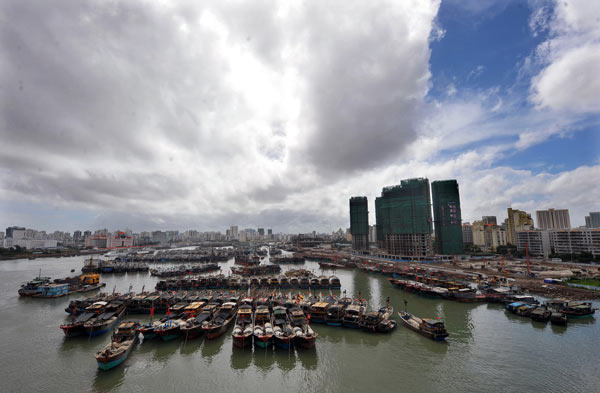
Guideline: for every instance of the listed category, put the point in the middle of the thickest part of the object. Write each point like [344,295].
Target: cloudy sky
[179,115]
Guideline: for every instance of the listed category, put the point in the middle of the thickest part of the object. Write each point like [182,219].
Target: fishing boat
[148,330]
[193,326]
[558,318]
[318,312]
[314,282]
[284,282]
[170,329]
[579,310]
[283,334]
[541,314]
[324,281]
[304,282]
[430,328]
[76,326]
[387,324]
[263,327]
[120,346]
[353,316]
[304,336]
[243,328]
[220,321]
[103,322]
[335,314]
[32,288]
[334,282]
[378,321]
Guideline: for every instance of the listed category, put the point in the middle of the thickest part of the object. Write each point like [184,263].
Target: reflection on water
[285,359]
[161,350]
[190,346]
[241,358]
[485,344]
[263,358]
[308,357]
[213,347]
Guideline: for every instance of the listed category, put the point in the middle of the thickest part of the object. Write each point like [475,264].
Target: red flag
[168,310]
[152,311]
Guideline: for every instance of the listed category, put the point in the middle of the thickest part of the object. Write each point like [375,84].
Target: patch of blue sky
[481,50]
[558,153]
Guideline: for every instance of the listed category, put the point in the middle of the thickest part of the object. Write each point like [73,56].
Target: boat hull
[283,342]
[262,342]
[192,333]
[73,330]
[212,333]
[242,341]
[305,342]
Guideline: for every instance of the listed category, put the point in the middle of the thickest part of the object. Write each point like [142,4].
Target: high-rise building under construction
[359,222]
[403,215]
[447,217]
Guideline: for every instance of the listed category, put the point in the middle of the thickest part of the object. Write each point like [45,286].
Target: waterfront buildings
[538,240]
[553,219]
[447,217]
[359,222]
[403,215]
[517,221]
[593,220]
[19,236]
[561,241]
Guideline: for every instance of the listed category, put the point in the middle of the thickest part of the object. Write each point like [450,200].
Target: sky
[200,115]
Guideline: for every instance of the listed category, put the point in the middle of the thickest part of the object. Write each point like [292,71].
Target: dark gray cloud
[206,112]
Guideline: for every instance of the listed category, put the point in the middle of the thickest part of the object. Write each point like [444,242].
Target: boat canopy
[84,317]
[106,315]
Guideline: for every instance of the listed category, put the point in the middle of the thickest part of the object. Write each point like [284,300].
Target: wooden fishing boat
[220,321]
[579,310]
[32,287]
[334,282]
[263,327]
[304,336]
[103,322]
[318,312]
[335,314]
[430,328]
[378,321]
[558,318]
[354,314]
[148,330]
[324,281]
[283,334]
[120,346]
[192,327]
[170,329]
[387,324]
[541,314]
[244,326]
[76,326]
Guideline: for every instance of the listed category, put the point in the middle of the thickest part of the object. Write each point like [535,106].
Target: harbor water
[488,350]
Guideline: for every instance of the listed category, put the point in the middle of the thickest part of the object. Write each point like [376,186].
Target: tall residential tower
[403,215]
[447,217]
[359,222]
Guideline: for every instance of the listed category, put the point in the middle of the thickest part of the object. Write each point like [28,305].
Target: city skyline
[199,116]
